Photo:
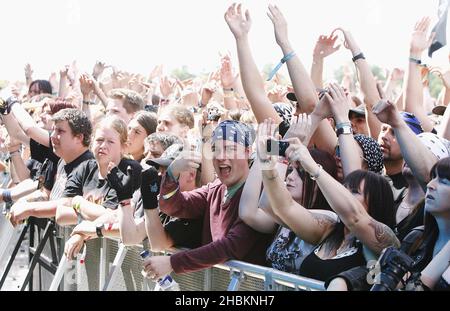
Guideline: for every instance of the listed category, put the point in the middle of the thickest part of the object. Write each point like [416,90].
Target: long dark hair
[431,230]
[312,197]
[44,86]
[379,199]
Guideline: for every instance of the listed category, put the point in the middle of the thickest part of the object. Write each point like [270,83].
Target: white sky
[136,35]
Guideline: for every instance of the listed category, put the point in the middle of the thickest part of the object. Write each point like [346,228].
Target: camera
[394,264]
[277,147]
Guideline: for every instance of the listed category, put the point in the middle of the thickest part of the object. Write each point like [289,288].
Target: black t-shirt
[85,182]
[52,169]
[34,166]
[40,152]
[399,181]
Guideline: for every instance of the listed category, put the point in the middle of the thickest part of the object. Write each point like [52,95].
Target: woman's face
[45,118]
[437,197]
[359,194]
[136,137]
[106,146]
[294,184]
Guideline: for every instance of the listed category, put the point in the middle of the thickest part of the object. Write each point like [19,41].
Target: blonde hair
[116,124]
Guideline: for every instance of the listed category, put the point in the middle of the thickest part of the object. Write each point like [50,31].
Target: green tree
[182,73]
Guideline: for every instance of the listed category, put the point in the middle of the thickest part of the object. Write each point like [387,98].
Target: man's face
[63,140]
[388,143]
[169,124]
[154,150]
[230,162]
[115,107]
[359,124]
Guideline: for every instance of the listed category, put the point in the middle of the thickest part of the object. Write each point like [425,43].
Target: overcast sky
[136,35]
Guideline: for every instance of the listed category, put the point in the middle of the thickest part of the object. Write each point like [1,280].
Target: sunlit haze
[136,35]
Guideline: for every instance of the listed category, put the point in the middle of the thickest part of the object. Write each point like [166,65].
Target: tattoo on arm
[324,220]
[384,235]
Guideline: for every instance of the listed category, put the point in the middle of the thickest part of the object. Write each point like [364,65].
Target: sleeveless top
[322,269]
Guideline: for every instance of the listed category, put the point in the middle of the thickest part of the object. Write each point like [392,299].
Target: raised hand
[299,153]
[226,73]
[349,42]
[28,72]
[279,25]
[150,188]
[86,85]
[277,94]
[239,25]
[99,67]
[123,184]
[266,131]
[185,161]
[397,74]
[445,77]
[166,87]
[419,40]
[300,128]
[339,103]
[323,108]
[325,46]
[63,73]
[156,73]
[385,110]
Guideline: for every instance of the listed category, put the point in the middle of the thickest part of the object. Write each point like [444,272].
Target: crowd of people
[316,179]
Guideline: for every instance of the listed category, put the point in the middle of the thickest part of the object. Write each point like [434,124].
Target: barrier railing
[232,275]
[109,262]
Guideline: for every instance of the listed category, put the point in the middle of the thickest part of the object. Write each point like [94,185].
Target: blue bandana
[412,122]
[234,131]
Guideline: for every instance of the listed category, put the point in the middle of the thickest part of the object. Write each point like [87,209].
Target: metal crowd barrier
[119,268]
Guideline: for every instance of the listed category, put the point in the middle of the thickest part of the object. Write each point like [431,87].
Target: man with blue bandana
[225,236]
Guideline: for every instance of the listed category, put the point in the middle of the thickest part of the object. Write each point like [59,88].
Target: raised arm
[303,85]
[324,47]
[249,210]
[416,154]
[375,235]
[413,96]
[29,126]
[307,226]
[340,107]
[367,81]
[191,204]
[251,79]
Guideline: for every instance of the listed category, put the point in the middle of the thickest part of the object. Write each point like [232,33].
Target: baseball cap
[360,110]
[170,154]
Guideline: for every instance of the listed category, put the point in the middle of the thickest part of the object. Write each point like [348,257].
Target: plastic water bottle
[166,283]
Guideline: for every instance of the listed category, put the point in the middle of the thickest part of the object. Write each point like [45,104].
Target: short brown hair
[182,115]
[78,122]
[132,101]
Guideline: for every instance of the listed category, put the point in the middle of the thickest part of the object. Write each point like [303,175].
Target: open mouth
[429,197]
[225,170]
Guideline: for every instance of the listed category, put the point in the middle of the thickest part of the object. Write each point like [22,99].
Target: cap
[437,145]
[168,156]
[439,110]
[412,122]
[360,110]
